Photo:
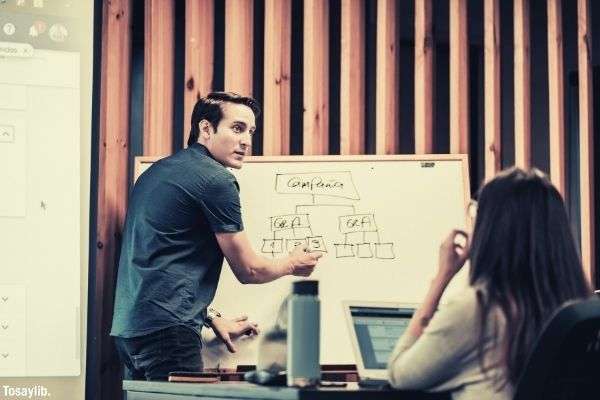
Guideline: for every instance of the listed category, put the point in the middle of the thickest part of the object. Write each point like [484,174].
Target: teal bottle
[303,349]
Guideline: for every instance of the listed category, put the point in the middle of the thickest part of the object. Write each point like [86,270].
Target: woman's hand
[454,251]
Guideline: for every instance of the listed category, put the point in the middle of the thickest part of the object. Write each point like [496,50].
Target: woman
[524,265]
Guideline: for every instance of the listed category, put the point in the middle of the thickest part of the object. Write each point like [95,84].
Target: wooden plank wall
[423,77]
[316,77]
[159,25]
[276,104]
[113,155]
[199,47]
[522,84]
[240,72]
[586,138]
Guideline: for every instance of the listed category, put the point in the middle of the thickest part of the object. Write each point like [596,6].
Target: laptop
[374,330]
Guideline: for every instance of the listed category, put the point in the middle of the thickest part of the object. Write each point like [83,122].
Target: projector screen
[45,140]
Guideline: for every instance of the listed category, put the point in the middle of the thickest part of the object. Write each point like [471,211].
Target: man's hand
[230,329]
[303,261]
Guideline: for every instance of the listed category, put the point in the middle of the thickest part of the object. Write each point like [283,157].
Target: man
[184,215]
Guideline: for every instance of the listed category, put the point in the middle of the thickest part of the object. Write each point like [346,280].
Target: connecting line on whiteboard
[364,237]
[313,199]
[345,238]
[296,208]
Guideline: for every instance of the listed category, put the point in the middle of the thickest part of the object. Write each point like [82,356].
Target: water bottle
[303,367]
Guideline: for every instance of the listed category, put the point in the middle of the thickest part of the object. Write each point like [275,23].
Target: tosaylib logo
[25,392]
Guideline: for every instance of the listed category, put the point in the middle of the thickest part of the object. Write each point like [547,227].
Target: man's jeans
[153,356]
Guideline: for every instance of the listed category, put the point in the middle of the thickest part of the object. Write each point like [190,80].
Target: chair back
[565,362]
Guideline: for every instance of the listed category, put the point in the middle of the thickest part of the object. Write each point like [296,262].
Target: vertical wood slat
[316,77]
[586,140]
[199,56]
[492,148]
[521,84]
[556,103]
[352,78]
[423,77]
[277,70]
[386,118]
[112,184]
[158,77]
[239,27]
[459,78]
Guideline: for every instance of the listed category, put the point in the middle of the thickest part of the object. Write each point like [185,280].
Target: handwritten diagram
[361,236]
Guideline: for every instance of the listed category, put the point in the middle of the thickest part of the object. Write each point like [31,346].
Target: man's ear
[205,129]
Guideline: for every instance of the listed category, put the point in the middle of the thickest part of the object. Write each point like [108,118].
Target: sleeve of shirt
[436,356]
[221,205]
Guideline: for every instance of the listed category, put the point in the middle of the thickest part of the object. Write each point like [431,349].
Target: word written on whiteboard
[336,184]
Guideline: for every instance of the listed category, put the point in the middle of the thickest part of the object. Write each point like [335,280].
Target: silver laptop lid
[374,330]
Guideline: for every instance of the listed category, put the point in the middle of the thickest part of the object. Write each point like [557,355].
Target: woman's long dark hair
[523,253]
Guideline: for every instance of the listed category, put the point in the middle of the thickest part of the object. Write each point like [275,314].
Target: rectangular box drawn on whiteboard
[384,251]
[316,243]
[358,223]
[364,250]
[290,221]
[333,184]
[293,243]
[272,246]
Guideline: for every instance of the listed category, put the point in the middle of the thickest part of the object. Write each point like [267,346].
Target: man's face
[233,137]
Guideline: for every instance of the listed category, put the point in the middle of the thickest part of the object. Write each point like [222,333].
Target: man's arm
[249,267]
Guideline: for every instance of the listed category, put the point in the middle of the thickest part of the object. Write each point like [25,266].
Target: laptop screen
[377,330]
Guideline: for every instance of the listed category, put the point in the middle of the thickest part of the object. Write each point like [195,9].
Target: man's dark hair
[209,108]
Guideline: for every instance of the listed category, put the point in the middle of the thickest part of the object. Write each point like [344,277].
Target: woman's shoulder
[467,298]
[462,309]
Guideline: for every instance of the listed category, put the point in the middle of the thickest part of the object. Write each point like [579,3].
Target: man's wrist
[211,314]
[284,266]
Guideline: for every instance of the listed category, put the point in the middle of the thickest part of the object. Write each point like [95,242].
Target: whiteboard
[379,221]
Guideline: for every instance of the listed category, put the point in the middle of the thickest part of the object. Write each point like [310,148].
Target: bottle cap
[306,287]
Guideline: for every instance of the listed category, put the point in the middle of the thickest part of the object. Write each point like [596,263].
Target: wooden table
[144,390]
